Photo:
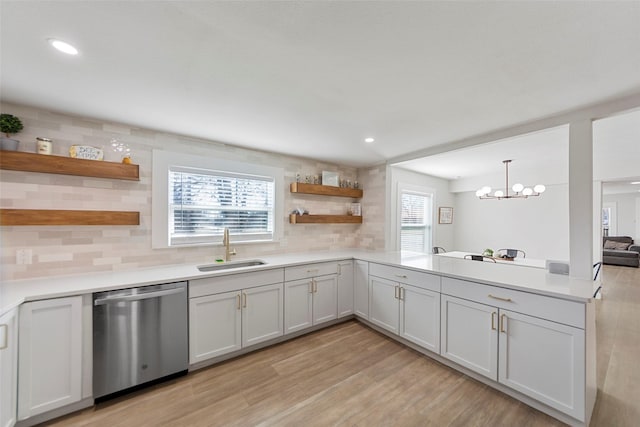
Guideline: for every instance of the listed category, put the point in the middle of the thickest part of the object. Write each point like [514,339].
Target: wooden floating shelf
[66,217]
[324,219]
[31,162]
[325,190]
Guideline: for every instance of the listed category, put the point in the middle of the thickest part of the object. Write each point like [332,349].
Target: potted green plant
[9,124]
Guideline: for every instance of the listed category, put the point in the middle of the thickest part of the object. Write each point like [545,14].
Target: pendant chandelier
[521,192]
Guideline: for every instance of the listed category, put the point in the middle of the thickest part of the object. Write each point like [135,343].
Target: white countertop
[525,262]
[533,280]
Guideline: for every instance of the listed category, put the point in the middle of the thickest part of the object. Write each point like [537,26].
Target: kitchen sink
[231,265]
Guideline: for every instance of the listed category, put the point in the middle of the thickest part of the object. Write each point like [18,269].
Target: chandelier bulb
[499,193]
[539,188]
[527,191]
[518,187]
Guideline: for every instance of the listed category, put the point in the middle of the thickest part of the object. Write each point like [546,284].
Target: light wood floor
[351,375]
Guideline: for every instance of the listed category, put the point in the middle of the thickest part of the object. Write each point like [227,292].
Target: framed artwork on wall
[445,215]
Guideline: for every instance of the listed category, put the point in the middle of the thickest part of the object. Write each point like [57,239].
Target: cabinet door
[298,305]
[262,313]
[345,288]
[214,326]
[544,360]
[325,298]
[8,368]
[50,355]
[361,289]
[384,305]
[420,317]
[469,333]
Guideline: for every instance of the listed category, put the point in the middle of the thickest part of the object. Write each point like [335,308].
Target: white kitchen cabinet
[407,303]
[345,288]
[8,368]
[539,358]
[50,355]
[409,311]
[470,335]
[544,360]
[214,325]
[262,314]
[325,298]
[309,302]
[384,304]
[361,289]
[420,317]
[226,322]
[298,305]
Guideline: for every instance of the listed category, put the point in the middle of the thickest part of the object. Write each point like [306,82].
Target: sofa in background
[620,250]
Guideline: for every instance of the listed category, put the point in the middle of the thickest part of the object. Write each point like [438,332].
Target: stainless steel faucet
[226,242]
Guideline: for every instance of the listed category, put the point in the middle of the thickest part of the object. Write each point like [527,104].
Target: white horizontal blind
[415,222]
[203,203]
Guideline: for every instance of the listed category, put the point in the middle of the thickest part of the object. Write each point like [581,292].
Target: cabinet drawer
[403,275]
[310,270]
[234,282]
[554,309]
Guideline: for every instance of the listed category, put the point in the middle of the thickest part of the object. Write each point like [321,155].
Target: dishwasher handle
[137,297]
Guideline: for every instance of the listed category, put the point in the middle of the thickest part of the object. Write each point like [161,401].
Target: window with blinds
[415,227]
[203,203]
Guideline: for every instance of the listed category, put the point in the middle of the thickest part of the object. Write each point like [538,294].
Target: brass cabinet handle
[402,276]
[311,286]
[238,301]
[6,336]
[503,320]
[401,292]
[395,292]
[500,298]
[313,270]
[493,320]
[244,299]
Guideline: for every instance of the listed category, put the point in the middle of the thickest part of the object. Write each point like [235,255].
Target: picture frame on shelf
[330,178]
[445,215]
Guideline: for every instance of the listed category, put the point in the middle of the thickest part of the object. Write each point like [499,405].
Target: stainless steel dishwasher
[139,336]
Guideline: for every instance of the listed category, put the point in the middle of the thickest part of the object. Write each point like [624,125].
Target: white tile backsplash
[74,250]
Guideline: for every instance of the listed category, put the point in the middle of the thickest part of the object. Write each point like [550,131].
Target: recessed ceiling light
[369,140]
[63,46]
[636,182]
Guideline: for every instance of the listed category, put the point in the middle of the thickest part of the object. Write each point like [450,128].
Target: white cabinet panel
[262,313]
[50,355]
[361,289]
[469,335]
[8,368]
[325,298]
[345,288]
[544,360]
[298,305]
[384,303]
[420,317]
[214,325]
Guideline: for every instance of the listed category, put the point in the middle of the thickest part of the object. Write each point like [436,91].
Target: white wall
[627,215]
[442,233]
[538,225]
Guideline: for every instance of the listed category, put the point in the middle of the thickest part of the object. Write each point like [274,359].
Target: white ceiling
[314,79]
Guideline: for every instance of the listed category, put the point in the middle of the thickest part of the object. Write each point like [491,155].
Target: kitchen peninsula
[523,331]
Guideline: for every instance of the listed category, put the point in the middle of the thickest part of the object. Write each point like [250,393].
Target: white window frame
[164,161]
[419,190]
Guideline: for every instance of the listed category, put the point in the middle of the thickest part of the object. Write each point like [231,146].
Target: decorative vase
[9,144]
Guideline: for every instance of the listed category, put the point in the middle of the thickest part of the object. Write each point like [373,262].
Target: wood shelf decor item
[325,190]
[324,219]
[67,217]
[31,162]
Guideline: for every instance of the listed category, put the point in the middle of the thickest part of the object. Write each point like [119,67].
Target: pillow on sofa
[620,246]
